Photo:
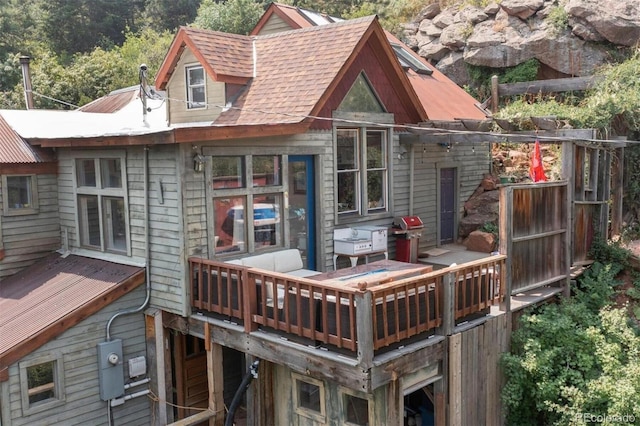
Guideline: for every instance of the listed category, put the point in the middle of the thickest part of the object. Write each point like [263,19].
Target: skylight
[407,60]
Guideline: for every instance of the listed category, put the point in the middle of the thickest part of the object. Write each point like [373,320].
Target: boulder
[514,31]
[454,36]
[468,224]
[484,242]
[618,21]
[523,9]
[487,203]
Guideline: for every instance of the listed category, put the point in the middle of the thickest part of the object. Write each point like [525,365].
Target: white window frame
[33,207]
[58,384]
[318,416]
[190,87]
[362,208]
[103,195]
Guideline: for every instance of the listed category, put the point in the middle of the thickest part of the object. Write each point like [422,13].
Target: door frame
[439,197]
[310,207]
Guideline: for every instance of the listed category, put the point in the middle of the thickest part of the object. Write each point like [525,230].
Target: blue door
[302,222]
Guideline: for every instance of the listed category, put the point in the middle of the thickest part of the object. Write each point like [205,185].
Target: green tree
[163,15]
[574,360]
[231,16]
[73,26]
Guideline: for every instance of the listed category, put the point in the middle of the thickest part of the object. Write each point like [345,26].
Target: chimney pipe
[26,79]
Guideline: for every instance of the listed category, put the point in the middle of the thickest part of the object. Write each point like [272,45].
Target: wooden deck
[359,319]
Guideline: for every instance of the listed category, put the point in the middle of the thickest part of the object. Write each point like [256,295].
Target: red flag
[536,170]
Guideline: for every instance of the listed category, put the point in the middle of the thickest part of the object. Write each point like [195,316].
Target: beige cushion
[287,260]
[262,261]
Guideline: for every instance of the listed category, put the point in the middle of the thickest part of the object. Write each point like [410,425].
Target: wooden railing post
[448,304]
[249,300]
[364,329]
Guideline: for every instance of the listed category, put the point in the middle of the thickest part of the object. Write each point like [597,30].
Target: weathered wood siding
[166,239]
[283,386]
[471,163]
[177,94]
[165,219]
[77,347]
[474,374]
[535,234]
[28,238]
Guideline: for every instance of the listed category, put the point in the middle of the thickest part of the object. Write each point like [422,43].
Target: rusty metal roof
[44,300]
[112,102]
[15,150]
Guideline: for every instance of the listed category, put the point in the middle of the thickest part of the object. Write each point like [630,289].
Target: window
[19,194]
[102,218]
[355,409]
[308,397]
[362,171]
[234,200]
[41,383]
[361,97]
[195,87]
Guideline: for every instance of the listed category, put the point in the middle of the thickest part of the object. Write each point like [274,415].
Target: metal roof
[15,150]
[126,120]
[53,295]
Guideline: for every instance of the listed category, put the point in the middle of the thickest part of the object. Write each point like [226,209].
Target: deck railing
[358,320]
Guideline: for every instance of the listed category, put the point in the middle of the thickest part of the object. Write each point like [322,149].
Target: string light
[432,130]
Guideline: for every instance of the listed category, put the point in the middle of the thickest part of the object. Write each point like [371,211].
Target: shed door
[448,197]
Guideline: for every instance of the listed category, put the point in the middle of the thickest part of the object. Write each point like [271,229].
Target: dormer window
[195,87]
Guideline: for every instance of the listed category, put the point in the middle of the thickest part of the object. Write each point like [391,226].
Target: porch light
[198,163]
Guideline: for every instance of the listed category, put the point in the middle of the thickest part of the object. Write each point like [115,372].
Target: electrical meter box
[376,234]
[110,369]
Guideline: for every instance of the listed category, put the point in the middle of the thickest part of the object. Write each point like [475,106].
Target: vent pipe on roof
[26,81]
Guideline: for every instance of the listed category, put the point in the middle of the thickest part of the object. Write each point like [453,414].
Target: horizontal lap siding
[471,163]
[29,238]
[167,267]
[78,347]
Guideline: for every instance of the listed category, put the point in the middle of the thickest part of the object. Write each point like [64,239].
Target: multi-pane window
[19,194]
[41,384]
[309,399]
[102,218]
[362,171]
[196,95]
[234,201]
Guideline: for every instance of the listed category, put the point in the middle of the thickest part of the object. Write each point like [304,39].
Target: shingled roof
[288,76]
[442,99]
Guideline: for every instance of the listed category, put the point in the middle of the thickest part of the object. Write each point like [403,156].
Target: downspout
[146,245]
[26,81]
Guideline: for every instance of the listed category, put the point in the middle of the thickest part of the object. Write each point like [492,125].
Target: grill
[408,230]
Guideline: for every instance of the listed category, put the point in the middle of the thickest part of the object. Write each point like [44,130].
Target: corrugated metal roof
[14,149]
[113,102]
[46,294]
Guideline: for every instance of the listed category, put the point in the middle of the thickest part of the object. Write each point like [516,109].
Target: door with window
[302,207]
[448,197]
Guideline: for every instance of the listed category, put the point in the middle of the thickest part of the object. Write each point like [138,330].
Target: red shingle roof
[44,300]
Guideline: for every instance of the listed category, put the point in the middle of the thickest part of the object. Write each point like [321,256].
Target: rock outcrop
[567,38]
